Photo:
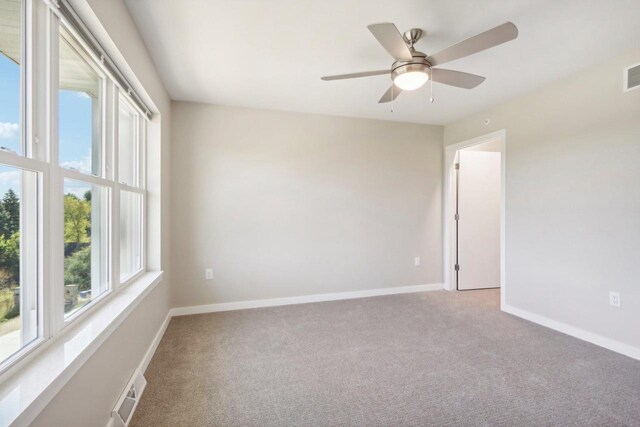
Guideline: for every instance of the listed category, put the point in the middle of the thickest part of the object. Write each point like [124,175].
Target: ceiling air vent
[632,77]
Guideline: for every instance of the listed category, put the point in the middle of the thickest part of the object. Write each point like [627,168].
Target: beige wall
[572,199]
[287,204]
[88,398]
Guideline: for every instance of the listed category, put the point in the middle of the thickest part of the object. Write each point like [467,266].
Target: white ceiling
[271,54]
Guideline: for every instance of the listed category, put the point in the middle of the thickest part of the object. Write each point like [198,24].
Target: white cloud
[83,95]
[9,179]
[76,188]
[9,130]
[83,165]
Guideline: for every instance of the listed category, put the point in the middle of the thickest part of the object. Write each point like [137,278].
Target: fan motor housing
[418,63]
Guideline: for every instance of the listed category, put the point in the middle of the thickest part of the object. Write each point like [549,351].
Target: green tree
[77,223]
[10,215]
[4,221]
[10,256]
[77,269]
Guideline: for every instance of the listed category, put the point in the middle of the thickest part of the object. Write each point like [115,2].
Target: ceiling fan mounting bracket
[412,36]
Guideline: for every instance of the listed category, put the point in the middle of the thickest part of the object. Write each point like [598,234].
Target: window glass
[86,213]
[79,110]
[88,244]
[10,60]
[130,234]
[18,259]
[127,145]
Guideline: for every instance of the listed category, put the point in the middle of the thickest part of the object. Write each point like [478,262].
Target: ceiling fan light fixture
[410,76]
[411,80]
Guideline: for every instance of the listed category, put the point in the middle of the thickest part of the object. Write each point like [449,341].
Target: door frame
[449,209]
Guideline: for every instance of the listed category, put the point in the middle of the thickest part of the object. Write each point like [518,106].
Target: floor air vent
[127,403]
[632,77]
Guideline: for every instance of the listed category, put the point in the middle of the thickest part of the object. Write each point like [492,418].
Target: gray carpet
[434,358]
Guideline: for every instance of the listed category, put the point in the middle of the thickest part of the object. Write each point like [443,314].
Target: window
[130,234]
[86,203]
[130,133]
[128,136]
[79,109]
[72,196]
[86,243]
[18,259]
[10,75]
[19,198]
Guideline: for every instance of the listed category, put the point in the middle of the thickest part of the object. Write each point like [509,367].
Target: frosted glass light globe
[411,80]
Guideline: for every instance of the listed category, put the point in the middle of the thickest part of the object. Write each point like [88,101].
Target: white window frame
[40,154]
[30,160]
[62,173]
[140,170]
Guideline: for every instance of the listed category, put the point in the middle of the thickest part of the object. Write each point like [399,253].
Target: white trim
[11,159]
[303,299]
[144,364]
[449,208]
[599,340]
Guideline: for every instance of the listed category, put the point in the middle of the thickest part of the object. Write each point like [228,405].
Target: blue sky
[74,126]
[9,103]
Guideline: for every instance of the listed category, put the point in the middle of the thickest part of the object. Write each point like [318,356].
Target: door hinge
[457,267]
[457,166]
[456,217]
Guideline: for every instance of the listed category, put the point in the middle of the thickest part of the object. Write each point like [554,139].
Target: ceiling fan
[412,69]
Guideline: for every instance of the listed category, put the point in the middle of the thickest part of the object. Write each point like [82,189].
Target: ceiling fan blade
[391,39]
[354,75]
[493,37]
[456,78]
[391,94]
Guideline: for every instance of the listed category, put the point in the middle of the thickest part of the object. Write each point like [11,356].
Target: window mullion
[22,162]
[79,176]
[115,203]
[129,188]
[55,292]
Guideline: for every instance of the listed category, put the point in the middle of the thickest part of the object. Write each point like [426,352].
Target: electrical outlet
[208,273]
[614,299]
[416,261]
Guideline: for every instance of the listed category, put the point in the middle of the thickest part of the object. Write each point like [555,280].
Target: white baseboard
[304,299]
[596,339]
[154,344]
[144,363]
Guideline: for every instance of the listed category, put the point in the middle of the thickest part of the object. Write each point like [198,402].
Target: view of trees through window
[77,250]
[9,267]
[85,243]
[10,178]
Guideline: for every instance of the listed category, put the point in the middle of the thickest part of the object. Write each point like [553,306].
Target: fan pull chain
[392,100]
[431,98]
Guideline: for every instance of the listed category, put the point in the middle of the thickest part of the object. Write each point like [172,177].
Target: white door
[478,220]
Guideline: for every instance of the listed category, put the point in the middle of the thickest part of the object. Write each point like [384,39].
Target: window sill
[32,386]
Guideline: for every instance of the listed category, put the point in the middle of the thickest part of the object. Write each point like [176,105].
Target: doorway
[478,216]
[474,213]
